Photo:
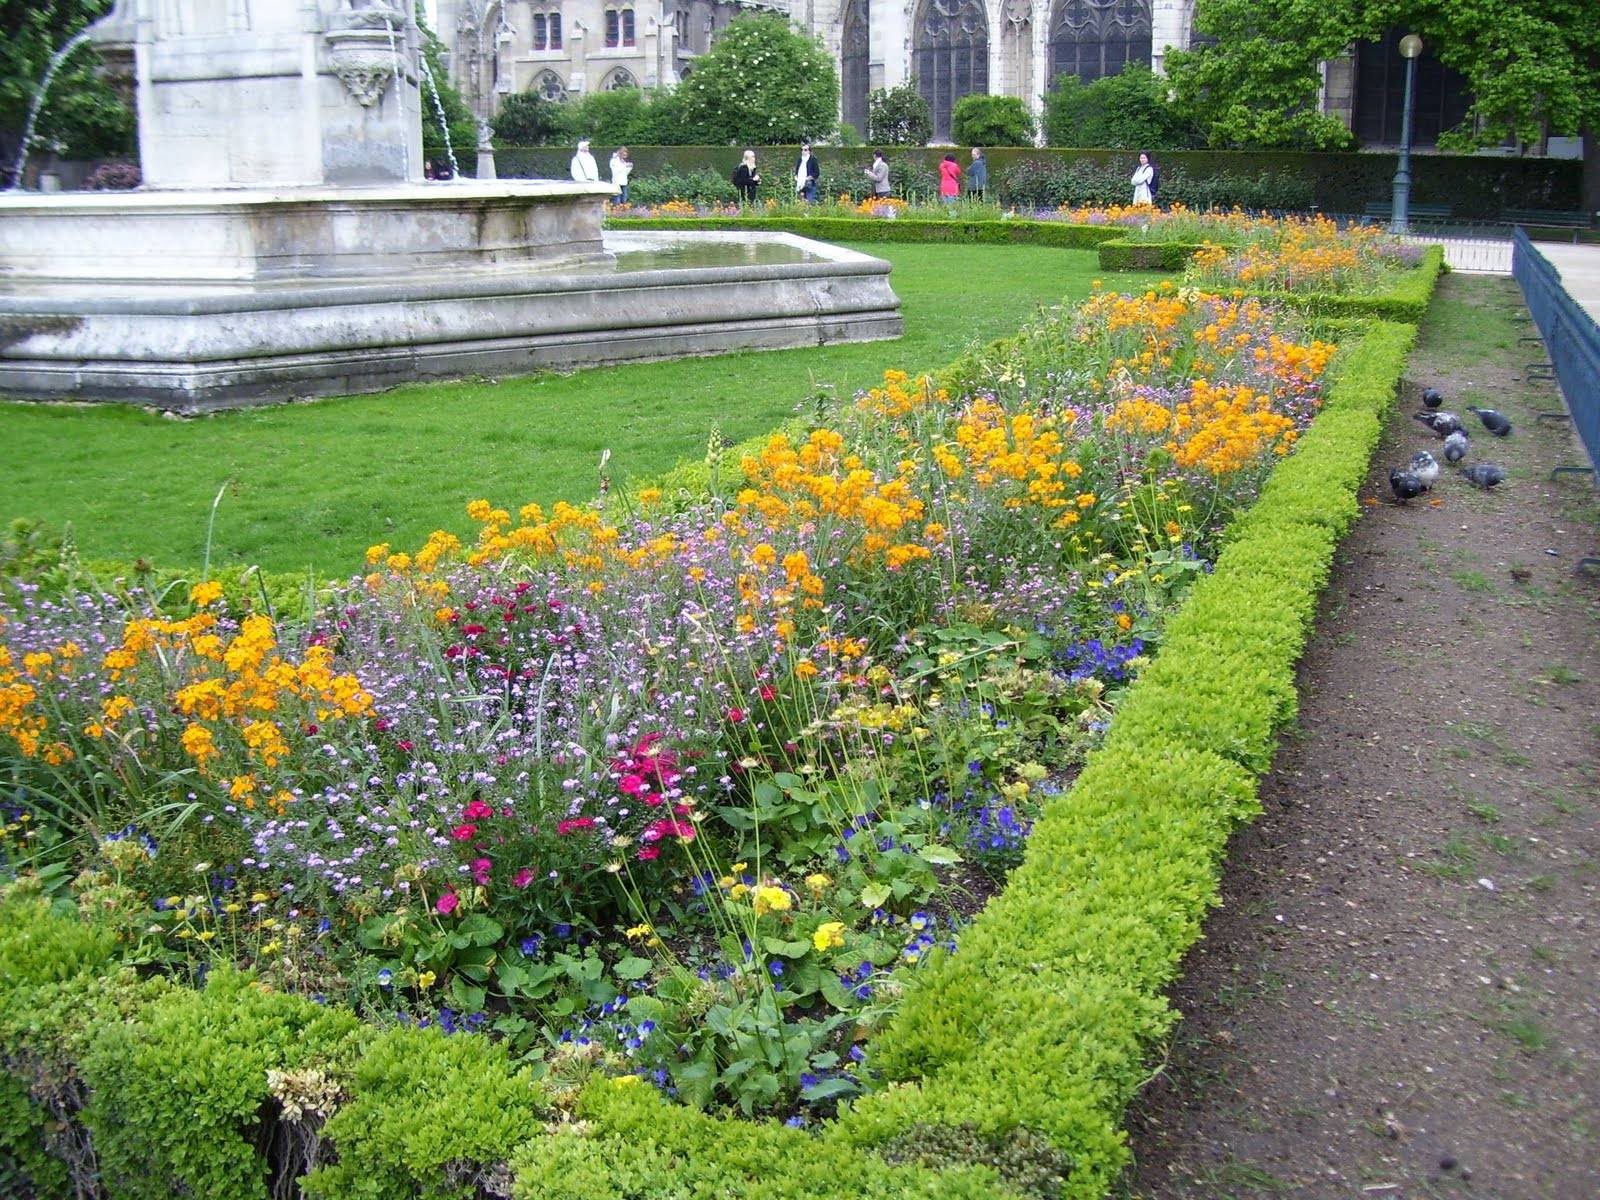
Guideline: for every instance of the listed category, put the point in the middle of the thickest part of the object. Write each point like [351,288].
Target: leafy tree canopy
[83,116]
[1127,111]
[980,120]
[898,116]
[763,84]
[528,119]
[1532,65]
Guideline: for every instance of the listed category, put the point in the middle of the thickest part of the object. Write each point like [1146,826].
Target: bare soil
[1401,994]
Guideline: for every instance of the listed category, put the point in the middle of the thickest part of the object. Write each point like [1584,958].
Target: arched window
[950,56]
[1095,38]
[855,56]
[549,85]
[618,80]
[1439,103]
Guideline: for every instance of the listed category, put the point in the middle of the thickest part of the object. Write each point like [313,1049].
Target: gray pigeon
[1425,467]
[1494,422]
[1443,424]
[1405,485]
[1432,397]
[1483,475]
[1455,446]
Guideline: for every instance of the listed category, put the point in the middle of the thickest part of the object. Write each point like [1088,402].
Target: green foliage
[1124,255]
[760,83]
[180,1102]
[1127,111]
[898,116]
[1052,182]
[430,1116]
[82,117]
[701,186]
[528,119]
[462,124]
[983,120]
[1025,1160]
[905,229]
[623,117]
[1406,301]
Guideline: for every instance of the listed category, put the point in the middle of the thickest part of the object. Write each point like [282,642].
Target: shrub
[114,177]
[983,120]
[1127,111]
[898,116]
[760,83]
[700,186]
[527,119]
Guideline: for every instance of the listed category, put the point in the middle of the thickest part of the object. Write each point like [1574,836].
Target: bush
[982,120]
[527,119]
[701,186]
[761,82]
[114,177]
[898,116]
[1127,111]
[1052,182]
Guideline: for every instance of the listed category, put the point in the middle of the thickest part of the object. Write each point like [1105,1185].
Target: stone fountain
[284,243]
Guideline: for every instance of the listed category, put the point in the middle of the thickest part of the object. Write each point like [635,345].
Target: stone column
[1169,28]
[1339,88]
[577,81]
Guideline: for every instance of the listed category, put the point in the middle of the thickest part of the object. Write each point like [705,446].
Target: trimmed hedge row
[1404,303]
[1120,254]
[1041,1025]
[902,229]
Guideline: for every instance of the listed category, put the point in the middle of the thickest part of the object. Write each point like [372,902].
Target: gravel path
[1401,994]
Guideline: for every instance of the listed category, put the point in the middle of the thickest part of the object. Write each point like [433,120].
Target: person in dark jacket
[977,174]
[806,174]
[746,178]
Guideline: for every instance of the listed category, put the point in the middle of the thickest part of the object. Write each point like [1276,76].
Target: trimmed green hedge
[1122,255]
[902,229]
[1404,303]
[1042,1024]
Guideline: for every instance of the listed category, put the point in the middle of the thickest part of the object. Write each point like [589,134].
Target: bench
[1546,218]
[1384,209]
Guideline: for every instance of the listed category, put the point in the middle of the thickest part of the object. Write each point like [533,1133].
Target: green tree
[763,84]
[626,116]
[83,116]
[528,119]
[1127,111]
[1533,67]
[463,125]
[980,120]
[898,116]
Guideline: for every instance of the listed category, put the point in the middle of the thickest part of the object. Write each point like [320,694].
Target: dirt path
[1401,994]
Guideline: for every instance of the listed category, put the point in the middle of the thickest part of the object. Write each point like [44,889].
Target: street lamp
[1410,48]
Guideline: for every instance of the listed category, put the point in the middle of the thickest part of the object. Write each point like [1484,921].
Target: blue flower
[385,977]
[563,932]
[776,969]
[530,945]
[807,1079]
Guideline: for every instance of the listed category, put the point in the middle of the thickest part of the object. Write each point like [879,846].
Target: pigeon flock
[1409,482]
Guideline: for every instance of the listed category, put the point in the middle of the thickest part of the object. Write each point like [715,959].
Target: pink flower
[477,811]
[464,833]
[736,715]
[523,878]
[573,824]
[447,903]
[648,853]
[768,692]
[480,869]
[632,785]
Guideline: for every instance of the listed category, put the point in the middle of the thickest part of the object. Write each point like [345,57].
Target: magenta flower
[477,811]
[523,878]
[447,903]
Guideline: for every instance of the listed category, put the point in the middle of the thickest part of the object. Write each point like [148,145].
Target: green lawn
[315,484]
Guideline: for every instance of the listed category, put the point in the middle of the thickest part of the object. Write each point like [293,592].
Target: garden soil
[1400,996]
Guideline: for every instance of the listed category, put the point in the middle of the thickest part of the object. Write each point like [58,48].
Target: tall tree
[763,84]
[1533,67]
[83,116]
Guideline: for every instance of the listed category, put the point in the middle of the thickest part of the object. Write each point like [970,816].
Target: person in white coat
[1144,181]
[621,172]
[584,169]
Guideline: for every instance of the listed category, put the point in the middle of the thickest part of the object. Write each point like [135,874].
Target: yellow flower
[202,594]
[829,935]
[642,930]
[767,899]
[817,882]
[426,980]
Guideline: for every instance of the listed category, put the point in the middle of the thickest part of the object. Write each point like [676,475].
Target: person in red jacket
[949,179]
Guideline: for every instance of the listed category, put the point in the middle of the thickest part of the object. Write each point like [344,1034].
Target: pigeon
[1484,475]
[1405,485]
[1442,423]
[1455,446]
[1492,421]
[1425,467]
[1432,397]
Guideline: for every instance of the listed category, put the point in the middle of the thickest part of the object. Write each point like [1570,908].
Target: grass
[312,485]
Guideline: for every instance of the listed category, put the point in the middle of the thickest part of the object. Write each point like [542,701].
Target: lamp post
[1410,48]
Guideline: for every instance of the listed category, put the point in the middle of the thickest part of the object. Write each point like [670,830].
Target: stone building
[949,48]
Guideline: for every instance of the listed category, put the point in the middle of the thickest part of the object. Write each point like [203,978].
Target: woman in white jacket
[621,172]
[1143,181]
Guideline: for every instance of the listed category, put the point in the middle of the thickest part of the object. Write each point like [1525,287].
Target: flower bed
[834,655]
[1031,231]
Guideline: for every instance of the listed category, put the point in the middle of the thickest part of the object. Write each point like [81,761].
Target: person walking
[621,172]
[583,165]
[878,172]
[1146,180]
[746,178]
[949,179]
[806,174]
[978,174]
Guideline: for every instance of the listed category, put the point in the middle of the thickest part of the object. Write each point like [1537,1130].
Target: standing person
[621,172]
[583,165]
[949,179]
[746,178]
[1145,180]
[806,174]
[978,174]
[878,172]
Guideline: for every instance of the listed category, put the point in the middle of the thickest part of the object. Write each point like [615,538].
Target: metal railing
[1572,339]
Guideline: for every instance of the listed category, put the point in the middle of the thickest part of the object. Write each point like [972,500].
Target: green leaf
[786,949]
[874,894]
[939,856]
[631,968]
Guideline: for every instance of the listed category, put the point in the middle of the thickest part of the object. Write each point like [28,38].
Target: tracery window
[950,56]
[1439,103]
[1096,38]
[854,64]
